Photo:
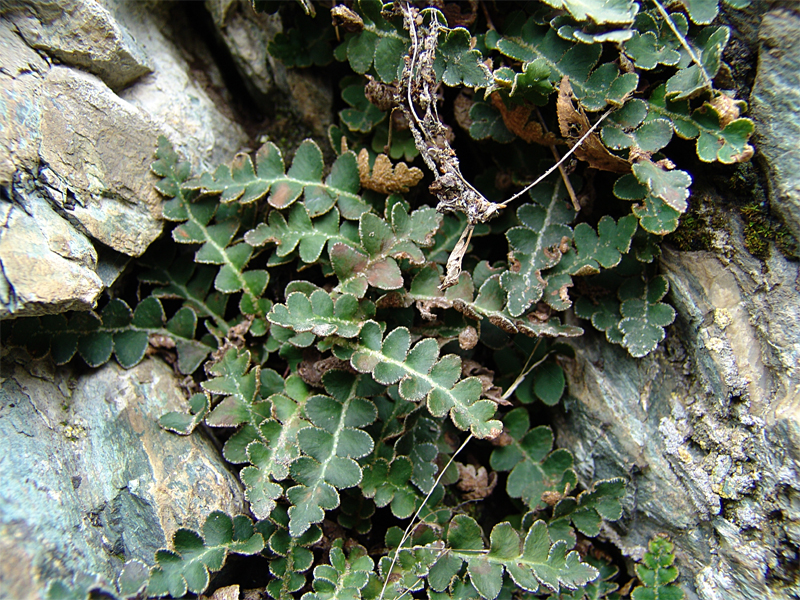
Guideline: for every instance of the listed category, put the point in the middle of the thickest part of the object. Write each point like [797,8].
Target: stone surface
[97,150]
[47,265]
[68,138]
[774,107]
[80,33]
[184,94]
[247,35]
[706,428]
[89,478]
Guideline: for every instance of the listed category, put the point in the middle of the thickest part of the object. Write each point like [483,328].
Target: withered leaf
[384,178]
[516,119]
[573,124]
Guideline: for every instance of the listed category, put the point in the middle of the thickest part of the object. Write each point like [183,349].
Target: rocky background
[706,429]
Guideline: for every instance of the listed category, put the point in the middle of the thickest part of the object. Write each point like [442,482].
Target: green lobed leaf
[344,577]
[270,446]
[588,510]
[536,245]
[115,331]
[534,466]
[457,63]
[329,447]
[186,568]
[389,361]
[657,573]
[531,563]
[362,116]
[643,315]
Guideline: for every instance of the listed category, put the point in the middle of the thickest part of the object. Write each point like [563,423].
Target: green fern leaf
[344,577]
[374,263]
[425,375]
[531,563]
[186,568]
[270,446]
[329,447]
[116,330]
[657,572]
[320,315]
[294,557]
[587,511]
[535,467]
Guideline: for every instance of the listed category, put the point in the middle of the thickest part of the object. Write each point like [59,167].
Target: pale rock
[90,479]
[707,428]
[247,35]
[201,129]
[773,106]
[98,150]
[80,33]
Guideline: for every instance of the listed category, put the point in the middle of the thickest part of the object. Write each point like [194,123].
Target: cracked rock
[89,478]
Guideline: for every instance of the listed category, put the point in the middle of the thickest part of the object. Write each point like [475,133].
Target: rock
[185,94]
[247,35]
[774,102]
[47,265]
[90,479]
[81,33]
[97,150]
[706,428]
[66,137]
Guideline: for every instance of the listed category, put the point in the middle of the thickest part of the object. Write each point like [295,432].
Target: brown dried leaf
[347,19]
[461,107]
[471,368]
[313,367]
[380,94]
[517,121]
[727,108]
[468,338]
[456,256]
[384,178]
[476,483]
[574,124]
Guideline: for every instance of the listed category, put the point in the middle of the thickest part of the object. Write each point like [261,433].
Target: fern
[342,397]
[657,573]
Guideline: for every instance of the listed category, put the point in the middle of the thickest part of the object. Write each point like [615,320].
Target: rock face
[707,429]
[90,479]
[247,34]
[774,102]
[80,138]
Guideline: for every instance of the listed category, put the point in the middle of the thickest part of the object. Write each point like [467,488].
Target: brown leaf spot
[281,195]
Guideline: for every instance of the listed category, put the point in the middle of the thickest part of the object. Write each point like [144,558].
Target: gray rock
[80,33]
[97,150]
[67,138]
[774,102]
[706,429]
[46,265]
[183,94]
[89,478]
[247,35]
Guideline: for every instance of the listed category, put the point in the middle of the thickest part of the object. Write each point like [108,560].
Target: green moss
[692,234]
[761,228]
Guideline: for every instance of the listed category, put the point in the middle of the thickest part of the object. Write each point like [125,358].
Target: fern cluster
[342,374]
